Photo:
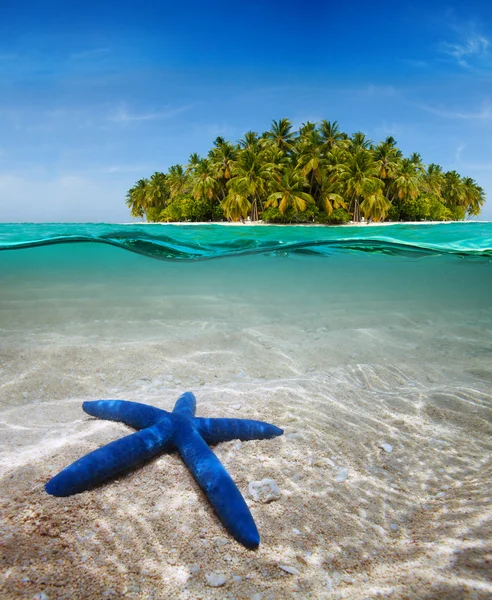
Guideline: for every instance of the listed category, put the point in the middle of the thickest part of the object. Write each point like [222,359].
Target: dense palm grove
[318,174]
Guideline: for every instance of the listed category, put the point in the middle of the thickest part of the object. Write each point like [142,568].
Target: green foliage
[317,174]
[394,213]
[273,215]
[218,213]
[437,210]
[172,213]
[426,207]
[458,213]
[418,209]
[339,216]
[186,208]
[153,214]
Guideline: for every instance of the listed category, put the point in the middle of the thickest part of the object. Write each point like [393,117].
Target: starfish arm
[214,431]
[185,405]
[217,485]
[134,414]
[111,460]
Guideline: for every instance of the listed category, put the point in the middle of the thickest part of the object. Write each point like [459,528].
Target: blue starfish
[160,430]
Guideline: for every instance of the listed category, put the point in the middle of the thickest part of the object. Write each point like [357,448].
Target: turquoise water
[70,276]
[346,337]
[172,242]
[281,301]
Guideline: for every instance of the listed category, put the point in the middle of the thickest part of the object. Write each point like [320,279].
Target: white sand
[263,224]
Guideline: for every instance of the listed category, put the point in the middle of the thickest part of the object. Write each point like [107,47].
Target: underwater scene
[370,346]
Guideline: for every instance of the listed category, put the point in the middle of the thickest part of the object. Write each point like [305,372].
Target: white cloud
[123,115]
[483,114]
[458,151]
[468,47]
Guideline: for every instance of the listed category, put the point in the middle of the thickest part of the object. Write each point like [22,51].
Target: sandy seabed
[354,519]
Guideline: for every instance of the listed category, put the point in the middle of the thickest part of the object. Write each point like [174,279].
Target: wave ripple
[192,243]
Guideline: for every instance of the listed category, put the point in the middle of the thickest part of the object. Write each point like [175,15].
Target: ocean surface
[348,337]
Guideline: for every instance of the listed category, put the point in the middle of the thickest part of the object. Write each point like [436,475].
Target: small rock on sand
[215,579]
[386,447]
[291,570]
[221,542]
[342,475]
[264,491]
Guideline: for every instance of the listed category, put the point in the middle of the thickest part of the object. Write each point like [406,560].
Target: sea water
[348,337]
[235,304]
[337,296]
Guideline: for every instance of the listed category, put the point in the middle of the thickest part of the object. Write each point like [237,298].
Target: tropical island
[318,174]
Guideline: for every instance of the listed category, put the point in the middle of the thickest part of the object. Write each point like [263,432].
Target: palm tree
[136,198]
[204,184]
[327,197]
[288,191]
[331,135]
[359,141]
[193,162]
[405,185]
[249,141]
[306,129]
[281,135]
[453,192]
[375,207]
[276,157]
[386,156]
[310,158]
[178,181]
[333,159]
[474,197]
[251,175]
[157,191]
[358,179]
[219,141]
[222,158]
[433,180]
[390,141]
[416,160]
[236,206]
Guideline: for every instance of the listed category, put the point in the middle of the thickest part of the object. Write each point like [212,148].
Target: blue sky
[96,95]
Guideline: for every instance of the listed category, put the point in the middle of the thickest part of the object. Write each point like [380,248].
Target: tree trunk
[254,209]
[355,200]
